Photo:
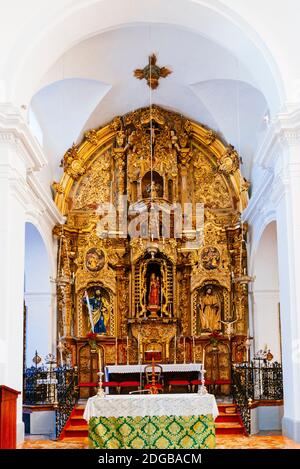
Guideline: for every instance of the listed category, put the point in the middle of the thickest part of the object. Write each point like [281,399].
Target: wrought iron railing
[39,386]
[241,398]
[258,380]
[67,395]
[46,385]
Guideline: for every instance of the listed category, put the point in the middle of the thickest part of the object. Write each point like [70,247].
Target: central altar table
[167,421]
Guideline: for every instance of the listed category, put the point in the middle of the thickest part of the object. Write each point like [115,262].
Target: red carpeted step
[77,420]
[76,432]
[222,417]
[229,428]
[76,426]
[229,420]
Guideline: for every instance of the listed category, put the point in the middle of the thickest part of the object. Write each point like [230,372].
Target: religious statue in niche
[94,260]
[210,258]
[153,190]
[152,185]
[210,310]
[153,299]
[154,293]
[99,311]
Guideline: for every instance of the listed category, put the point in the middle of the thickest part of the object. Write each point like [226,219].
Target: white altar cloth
[151,405]
[167,367]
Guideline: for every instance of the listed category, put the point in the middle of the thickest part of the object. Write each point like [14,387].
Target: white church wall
[266,418]
[27,38]
[270,417]
[43,423]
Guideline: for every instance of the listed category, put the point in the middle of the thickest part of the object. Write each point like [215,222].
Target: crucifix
[229,327]
[152,72]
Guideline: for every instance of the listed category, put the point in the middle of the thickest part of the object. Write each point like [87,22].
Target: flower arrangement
[214,338]
[91,336]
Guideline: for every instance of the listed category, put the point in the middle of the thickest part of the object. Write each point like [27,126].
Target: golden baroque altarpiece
[160,291]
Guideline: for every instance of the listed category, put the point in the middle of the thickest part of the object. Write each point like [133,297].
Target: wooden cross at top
[152,72]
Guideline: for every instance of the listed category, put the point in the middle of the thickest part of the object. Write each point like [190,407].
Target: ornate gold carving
[116,123]
[210,257]
[229,161]
[96,184]
[190,164]
[94,260]
[58,188]
[92,136]
[210,137]
[211,188]
[72,164]
[152,334]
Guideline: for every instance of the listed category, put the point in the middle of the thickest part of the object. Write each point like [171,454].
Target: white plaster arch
[46,235]
[39,46]
[258,227]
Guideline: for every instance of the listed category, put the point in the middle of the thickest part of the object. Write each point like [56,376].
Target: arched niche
[154,185]
[210,303]
[38,331]
[265,300]
[101,304]
[153,287]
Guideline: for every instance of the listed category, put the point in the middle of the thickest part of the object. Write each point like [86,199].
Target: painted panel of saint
[94,260]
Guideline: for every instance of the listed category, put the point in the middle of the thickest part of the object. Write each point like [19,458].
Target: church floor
[223,442]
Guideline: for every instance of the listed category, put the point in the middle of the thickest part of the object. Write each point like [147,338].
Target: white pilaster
[287,201]
[277,198]
[12,243]
[21,198]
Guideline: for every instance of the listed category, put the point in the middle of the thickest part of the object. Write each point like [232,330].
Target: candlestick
[100,360]
[116,345]
[202,389]
[203,356]
[194,350]
[111,192]
[60,348]
[100,392]
[127,350]
[175,345]
[184,357]
[161,296]
[139,354]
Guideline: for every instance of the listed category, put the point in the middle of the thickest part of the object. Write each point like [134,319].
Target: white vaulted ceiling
[93,82]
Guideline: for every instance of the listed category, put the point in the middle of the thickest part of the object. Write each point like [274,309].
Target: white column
[287,186]
[12,246]
[22,196]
